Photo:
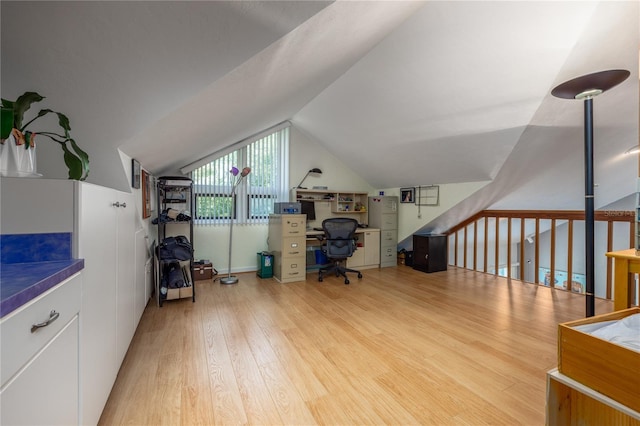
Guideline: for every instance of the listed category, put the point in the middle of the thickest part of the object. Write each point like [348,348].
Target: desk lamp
[586,88]
[314,170]
[232,279]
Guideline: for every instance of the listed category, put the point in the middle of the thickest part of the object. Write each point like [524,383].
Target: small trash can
[321,258]
[265,265]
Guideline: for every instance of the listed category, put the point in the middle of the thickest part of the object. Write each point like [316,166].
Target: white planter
[17,160]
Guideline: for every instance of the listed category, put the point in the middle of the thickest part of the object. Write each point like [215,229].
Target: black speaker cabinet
[430,253]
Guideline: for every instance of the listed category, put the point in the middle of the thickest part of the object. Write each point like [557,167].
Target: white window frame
[219,180]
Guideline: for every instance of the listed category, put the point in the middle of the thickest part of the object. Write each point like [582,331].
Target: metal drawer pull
[52,317]
[118,204]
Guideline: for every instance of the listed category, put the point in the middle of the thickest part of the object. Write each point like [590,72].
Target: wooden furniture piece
[430,253]
[175,196]
[596,381]
[625,262]
[383,214]
[569,402]
[287,244]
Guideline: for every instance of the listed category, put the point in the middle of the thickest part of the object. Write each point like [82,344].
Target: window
[255,195]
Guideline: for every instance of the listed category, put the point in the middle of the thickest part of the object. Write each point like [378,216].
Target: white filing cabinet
[287,243]
[383,214]
[367,254]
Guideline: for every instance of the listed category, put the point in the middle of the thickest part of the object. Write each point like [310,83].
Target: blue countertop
[22,282]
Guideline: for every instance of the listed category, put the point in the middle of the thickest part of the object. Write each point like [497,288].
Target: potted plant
[76,159]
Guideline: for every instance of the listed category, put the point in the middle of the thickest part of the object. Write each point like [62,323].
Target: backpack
[175,248]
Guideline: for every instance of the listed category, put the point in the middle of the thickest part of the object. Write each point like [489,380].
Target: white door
[96,241]
[125,290]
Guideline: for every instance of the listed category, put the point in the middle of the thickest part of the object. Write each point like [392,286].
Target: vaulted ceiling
[413,93]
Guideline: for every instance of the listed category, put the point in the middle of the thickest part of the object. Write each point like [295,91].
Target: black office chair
[339,236]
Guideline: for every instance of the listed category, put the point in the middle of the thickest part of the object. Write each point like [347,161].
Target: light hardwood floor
[398,347]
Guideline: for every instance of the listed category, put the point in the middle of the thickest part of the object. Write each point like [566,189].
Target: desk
[289,239]
[626,262]
[367,254]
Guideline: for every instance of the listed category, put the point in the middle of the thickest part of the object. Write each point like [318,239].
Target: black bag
[175,277]
[172,277]
[175,248]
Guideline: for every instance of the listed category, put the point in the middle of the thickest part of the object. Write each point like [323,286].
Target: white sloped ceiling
[413,93]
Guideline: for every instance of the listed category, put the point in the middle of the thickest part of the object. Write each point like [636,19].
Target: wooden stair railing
[570,216]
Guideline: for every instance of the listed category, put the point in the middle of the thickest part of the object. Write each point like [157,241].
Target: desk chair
[339,234]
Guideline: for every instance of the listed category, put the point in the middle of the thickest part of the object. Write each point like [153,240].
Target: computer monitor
[308,208]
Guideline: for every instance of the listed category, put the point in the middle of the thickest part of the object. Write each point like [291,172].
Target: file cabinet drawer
[293,269]
[294,225]
[295,246]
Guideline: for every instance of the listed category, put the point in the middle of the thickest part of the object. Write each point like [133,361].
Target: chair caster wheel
[346,281]
[359,275]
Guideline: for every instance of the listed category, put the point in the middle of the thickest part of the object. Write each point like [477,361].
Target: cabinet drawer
[19,344]
[388,221]
[389,237]
[294,246]
[388,256]
[46,392]
[389,253]
[294,225]
[293,268]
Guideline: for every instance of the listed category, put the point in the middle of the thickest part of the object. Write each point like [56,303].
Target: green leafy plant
[76,159]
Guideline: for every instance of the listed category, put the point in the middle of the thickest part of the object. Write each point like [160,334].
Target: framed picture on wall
[135,174]
[407,195]
[146,195]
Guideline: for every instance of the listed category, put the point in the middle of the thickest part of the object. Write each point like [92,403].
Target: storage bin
[321,258]
[202,271]
[173,293]
[265,265]
[606,367]
[185,292]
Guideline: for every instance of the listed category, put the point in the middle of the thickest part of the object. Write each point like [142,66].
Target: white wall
[30,206]
[145,225]
[411,218]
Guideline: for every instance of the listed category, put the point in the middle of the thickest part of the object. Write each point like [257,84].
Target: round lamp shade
[590,84]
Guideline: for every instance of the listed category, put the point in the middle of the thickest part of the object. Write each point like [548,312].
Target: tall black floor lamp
[586,88]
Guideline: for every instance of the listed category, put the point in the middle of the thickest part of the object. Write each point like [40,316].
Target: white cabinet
[372,248]
[367,253]
[112,300]
[105,239]
[125,291]
[40,368]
